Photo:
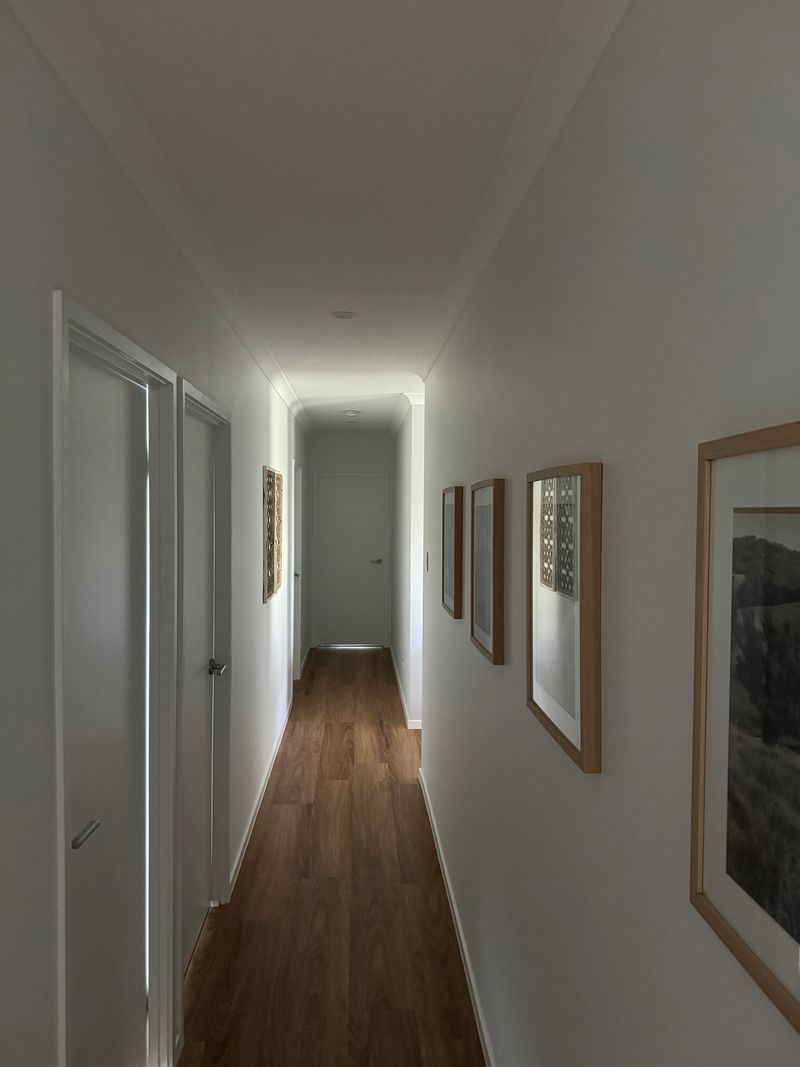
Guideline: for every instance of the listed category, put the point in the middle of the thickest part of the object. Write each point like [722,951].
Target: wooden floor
[338,948]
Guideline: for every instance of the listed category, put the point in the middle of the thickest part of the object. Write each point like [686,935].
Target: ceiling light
[351,413]
[343,314]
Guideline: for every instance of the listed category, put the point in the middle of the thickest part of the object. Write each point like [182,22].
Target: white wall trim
[303,666]
[412,724]
[580,36]
[237,865]
[480,1019]
[74,323]
[63,36]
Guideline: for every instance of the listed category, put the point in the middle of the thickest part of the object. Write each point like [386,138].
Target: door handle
[297,574]
[86,833]
[378,560]
[216,668]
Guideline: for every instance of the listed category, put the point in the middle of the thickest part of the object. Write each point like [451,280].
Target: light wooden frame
[74,323]
[775,437]
[589,757]
[458,551]
[496,654]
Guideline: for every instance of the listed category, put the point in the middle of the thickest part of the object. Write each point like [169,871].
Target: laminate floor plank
[281,857]
[195,1055]
[294,776]
[337,948]
[331,830]
[338,750]
[382,1038]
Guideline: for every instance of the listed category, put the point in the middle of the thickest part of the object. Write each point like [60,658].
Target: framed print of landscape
[563,550]
[487,543]
[452,549]
[745,876]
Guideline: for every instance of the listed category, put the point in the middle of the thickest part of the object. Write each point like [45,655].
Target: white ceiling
[337,155]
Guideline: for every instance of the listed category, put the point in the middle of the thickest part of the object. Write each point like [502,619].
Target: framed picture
[564,564]
[453,549]
[272,502]
[745,871]
[277,541]
[488,567]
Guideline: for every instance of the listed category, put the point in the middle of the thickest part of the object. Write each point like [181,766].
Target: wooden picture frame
[277,542]
[723,898]
[487,591]
[272,504]
[455,608]
[580,590]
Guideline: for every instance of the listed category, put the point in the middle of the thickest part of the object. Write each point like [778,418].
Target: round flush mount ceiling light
[351,413]
[343,314]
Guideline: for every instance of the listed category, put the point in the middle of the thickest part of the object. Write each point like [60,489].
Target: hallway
[338,947]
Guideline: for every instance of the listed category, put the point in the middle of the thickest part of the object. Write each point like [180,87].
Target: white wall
[69,218]
[350,451]
[643,300]
[408,559]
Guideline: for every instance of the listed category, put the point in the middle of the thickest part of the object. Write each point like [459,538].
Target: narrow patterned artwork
[268,500]
[547,540]
[565,536]
[557,535]
[277,538]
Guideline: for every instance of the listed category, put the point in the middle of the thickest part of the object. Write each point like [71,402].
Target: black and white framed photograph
[564,562]
[746,799]
[452,550]
[487,542]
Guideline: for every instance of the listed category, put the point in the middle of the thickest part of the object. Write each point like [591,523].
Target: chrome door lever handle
[86,833]
[217,668]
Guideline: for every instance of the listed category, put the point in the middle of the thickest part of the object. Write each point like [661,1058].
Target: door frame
[316,534]
[297,576]
[74,323]
[213,413]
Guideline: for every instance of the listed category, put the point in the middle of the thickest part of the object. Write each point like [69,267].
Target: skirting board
[412,724]
[257,806]
[483,1032]
[303,665]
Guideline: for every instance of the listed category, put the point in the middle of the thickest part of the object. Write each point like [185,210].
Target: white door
[197,705]
[203,655]
[298,573]
[105,569]
[350,603]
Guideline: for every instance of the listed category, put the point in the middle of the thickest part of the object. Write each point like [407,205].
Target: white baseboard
[256,807]
[303,664]
[483,1031]
[412,724]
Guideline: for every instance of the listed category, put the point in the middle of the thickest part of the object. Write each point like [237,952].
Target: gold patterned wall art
[272,501]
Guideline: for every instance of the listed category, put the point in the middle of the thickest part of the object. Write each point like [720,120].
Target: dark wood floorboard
[338,948]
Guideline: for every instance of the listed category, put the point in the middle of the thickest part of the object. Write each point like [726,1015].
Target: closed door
[197,705]
[350,601]
[105,700]
[298,574]
[204,645]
